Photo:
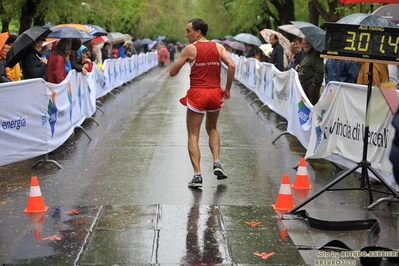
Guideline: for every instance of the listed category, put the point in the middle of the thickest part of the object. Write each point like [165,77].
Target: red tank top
[205,68]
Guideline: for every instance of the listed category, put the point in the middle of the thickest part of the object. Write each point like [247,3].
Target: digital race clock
[362,41]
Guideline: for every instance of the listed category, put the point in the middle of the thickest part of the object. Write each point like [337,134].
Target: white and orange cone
[284,200]
[302,178]
[35,199]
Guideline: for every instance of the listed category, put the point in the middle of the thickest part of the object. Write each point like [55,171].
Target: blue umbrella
[70,31]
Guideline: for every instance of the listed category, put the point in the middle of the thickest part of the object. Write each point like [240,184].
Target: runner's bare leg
[194,121]
[214,138]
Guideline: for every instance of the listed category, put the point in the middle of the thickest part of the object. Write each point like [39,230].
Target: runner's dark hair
[199,24]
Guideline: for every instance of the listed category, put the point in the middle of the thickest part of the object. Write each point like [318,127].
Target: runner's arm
[187,55]
[231,69]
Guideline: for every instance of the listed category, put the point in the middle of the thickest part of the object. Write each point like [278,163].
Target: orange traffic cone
[35,200]
[302,178]
[284,198]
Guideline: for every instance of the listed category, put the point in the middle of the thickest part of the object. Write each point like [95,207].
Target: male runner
[205,95]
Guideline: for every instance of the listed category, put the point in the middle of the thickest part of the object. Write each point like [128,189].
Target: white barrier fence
[332,129]
[37,117]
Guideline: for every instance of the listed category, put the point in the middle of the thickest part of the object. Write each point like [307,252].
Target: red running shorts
[202,100]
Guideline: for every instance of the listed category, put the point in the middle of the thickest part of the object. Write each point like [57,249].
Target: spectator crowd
[314,71]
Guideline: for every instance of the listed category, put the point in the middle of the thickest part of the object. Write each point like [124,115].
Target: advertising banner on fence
[37,117]
[23,119]
[338,128]
[334,128]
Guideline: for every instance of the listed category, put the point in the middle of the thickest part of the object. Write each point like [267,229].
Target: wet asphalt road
[122,197]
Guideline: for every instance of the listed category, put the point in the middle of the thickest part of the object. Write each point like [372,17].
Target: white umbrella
[116,37]
[266,48]
[291,29]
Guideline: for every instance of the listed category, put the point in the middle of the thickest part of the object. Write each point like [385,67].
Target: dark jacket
[250,54]
[298,57]
[312,69]
[3,74]
[277,57]
[76,61]
[31,65]
[394,154]
[341,70]
[104,54]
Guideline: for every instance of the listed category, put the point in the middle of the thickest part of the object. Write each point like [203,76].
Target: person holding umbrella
[32,63]
[277,55]
[205,95]
[250,52]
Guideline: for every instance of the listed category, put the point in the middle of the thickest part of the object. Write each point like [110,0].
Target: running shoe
[218,171]
[196,182]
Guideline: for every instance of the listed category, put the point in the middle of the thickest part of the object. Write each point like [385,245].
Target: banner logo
[319,131]
[69,92]
[80,94]
[305,118]
[17,124]
[52,111]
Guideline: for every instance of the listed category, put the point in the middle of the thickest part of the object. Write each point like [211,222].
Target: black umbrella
[96,30]
[20,45]
[145,41]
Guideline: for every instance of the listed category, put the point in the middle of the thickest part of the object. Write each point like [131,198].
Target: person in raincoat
[163,55]
[3,54]
[14,72]
[56,71]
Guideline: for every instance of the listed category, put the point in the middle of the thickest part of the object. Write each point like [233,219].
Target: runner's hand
[226,94]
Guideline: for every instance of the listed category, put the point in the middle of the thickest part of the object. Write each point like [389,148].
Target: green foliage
[214,12]
[152,18]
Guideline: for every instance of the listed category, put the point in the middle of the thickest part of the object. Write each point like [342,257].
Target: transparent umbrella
[367,19]
[237,45]
[292,29]
[315,35]
[390,11]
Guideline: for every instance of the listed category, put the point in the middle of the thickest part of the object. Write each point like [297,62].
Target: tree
[259,15]
[214,12]
[151,18]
